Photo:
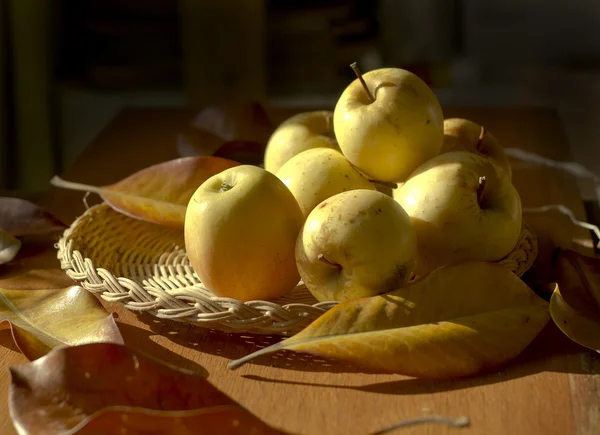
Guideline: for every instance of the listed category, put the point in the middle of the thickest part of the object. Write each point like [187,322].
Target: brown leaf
[159,193]
[214,126]
[246,152]
[575,303]
[23,218]
[457,321]
[44,319]
[105,388]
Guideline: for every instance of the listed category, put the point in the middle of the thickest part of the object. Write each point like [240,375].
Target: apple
[465,135]
[462,209]
[240,231]
[317,174]
[387,123]
[355,244]
[301,132]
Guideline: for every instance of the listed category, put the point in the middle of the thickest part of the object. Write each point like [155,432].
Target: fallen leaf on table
[575,303]
[9,246]
[458,321]
[23,218]
[107,389]
[36,265]
[44,319]
[246,152]
[159,193]
[217,125]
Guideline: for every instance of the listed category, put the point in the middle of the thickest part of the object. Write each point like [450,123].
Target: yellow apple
[355,244]
[240,231]
[390,127]
[301,132]
[462,209]
[465,135]
[314,175]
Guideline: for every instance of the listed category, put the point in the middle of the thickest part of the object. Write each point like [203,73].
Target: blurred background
[67,67]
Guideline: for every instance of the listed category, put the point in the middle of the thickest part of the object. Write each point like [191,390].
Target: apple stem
[354,67]
[480,139]
[480,189]
[385,184]
[322,258]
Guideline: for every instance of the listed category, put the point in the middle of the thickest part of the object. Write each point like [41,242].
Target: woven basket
[144,267]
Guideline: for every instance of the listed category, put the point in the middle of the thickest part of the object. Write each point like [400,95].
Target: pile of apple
[357,201]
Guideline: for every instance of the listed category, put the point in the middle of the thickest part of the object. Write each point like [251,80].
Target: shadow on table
[139,340]
[546,353]
[236,345]
[549,352]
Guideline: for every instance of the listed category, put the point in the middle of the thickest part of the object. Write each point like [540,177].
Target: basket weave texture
[144,267]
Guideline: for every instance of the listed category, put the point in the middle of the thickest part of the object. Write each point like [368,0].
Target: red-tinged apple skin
[298,133]
[453,222]
[390,137]
[240,231]
[465,135]
[356,244]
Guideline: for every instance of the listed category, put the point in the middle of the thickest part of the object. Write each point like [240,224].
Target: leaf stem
[356,70]
[233,365]
[452,422]
[59,182]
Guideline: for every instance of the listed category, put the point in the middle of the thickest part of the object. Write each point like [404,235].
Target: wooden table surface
[552,388]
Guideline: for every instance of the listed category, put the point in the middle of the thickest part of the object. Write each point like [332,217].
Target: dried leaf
[578,325]
[44,319]
[245,152]
[107,389]
[457,321]
[23,218]
[159,193]
[217,125]
[575,303]
[9,247]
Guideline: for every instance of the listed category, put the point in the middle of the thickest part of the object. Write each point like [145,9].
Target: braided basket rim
[172,291]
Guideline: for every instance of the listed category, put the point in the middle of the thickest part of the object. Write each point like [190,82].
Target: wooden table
[552,388]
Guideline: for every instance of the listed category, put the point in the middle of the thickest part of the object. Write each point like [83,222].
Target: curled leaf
[579,326]
[23,218]
[216,127]
[457,321]
[104,388]
[575,303]
[9,246]
[159,193]
[44,319]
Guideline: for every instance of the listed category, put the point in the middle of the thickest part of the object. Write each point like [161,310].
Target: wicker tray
[144,267]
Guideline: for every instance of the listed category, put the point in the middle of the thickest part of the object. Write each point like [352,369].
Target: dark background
[68,66]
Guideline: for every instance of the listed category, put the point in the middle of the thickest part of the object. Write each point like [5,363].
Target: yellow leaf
[575,302]
[457,321]
[44,319]
[577,325]
[158,193]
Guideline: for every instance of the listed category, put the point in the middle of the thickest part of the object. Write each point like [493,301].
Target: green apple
[301,132]
[462,209]
[465,135]
[317,174]
[356,244]
[240,233]
[390,125]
